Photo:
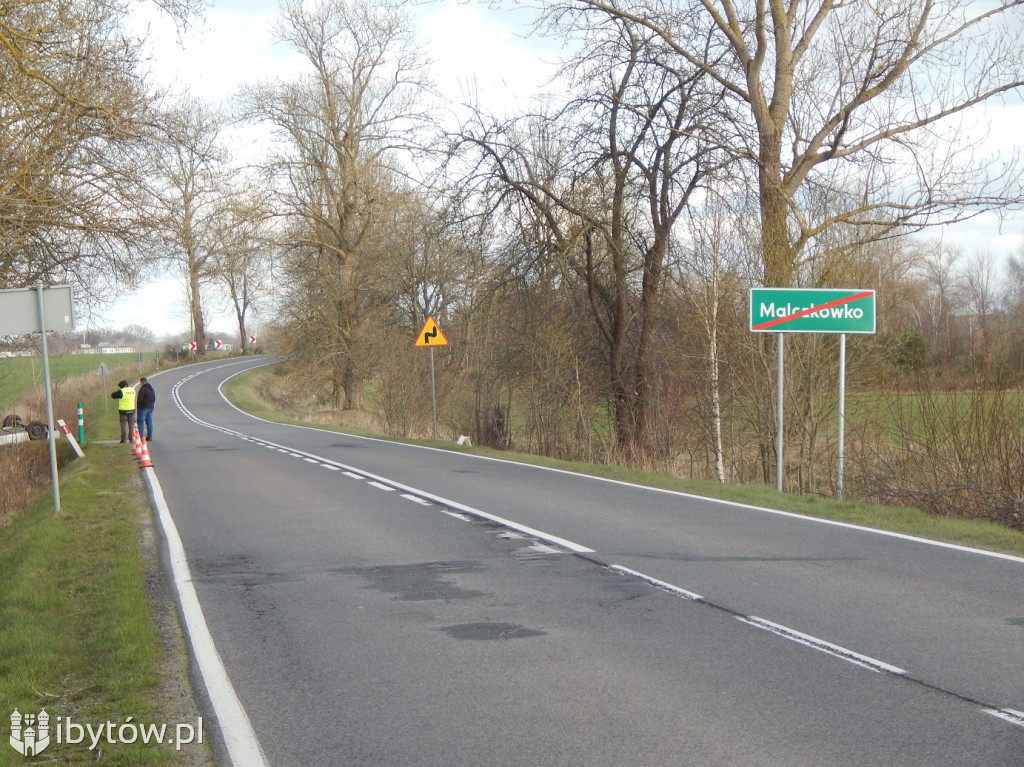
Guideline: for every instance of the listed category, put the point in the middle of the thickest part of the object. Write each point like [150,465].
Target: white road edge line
[835,650]
[243,746]
[675,590]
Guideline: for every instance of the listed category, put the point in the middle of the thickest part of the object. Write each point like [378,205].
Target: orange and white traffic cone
[145,461]
[137,444]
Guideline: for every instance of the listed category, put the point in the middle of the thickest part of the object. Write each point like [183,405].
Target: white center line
[1007,715]
[658,584]
[820,644]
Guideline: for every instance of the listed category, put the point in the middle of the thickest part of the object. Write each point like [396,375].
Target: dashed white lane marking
[390,485]
[785,632]
[820,644]
[658,584]
[381,486]
[416,499]
[543,548]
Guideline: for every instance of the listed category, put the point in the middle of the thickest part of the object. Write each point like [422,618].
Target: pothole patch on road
[422,581]
[491,630]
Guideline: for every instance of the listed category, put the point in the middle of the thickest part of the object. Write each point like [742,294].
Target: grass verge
[244,391]
[78,616]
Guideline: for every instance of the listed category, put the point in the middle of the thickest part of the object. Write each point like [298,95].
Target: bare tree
[981,293]
[943,297]
[244,264]
[188,200]
[705,278]
[338,128]
[1013,303]
[73,112]
[865,96]
[609,175]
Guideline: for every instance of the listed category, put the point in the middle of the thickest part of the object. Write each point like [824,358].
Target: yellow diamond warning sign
[431,335]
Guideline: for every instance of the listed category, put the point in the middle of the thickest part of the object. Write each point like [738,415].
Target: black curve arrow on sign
[432,333]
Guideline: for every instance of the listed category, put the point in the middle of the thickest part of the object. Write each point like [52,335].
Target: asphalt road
[383,604]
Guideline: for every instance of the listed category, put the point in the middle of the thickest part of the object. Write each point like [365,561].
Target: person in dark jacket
[146,402]
[125,396]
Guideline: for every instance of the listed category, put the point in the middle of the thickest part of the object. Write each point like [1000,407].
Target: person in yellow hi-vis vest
[125,395]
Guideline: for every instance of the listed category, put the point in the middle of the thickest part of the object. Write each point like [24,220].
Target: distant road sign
[217,344]
[252,339]
[102,370]
[812,310]
[192,346]
[431,335]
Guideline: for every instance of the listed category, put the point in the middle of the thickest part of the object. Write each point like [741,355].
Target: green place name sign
[812,310]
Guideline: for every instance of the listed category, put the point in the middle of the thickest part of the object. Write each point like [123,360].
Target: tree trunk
[352,387]
[196,313]
[776,250]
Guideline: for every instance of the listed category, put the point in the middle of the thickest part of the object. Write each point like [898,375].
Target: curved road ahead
[384,604]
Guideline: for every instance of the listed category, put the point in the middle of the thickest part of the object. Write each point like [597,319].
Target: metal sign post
[102,371]
[780,381]
[430,335]
[433,394]
[51,432]
[811,310]
[52,308]
[841,432]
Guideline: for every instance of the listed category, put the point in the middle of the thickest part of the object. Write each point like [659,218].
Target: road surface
[384,604]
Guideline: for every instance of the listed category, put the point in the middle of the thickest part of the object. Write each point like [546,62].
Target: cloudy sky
[473,49]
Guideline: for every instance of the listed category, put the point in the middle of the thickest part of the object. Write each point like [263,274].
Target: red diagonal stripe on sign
[812,310]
